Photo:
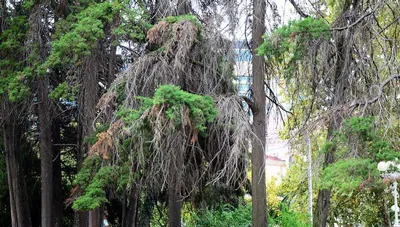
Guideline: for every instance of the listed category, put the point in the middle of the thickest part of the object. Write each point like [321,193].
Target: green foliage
[133,25]
[171,100]
[294,186]
[288,218]
[357,189]
[79,33]
[346,175]
[131,115]
[382,150]
[120,93]
[225,215]
[363,126]
[64,91]
[86,28]
[378,148]
[189,17]
[94,193]
[288,44]
[93,138]
[14,74]
[89,167]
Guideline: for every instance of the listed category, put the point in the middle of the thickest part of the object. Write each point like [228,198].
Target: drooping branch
[275,100]
[298,9]
[378,95]
[358,20]
[251,104]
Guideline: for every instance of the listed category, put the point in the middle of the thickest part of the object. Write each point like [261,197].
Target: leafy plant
[288,44]
[189,17]
[170,100]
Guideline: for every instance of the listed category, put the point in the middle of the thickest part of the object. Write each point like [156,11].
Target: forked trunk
[19,203]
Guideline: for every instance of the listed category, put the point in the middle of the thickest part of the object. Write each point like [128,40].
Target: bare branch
[275,100]
[358,20]
[298,9]
[250,102]
[380,91]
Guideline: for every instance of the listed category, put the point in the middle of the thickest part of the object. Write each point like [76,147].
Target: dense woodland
[128,111]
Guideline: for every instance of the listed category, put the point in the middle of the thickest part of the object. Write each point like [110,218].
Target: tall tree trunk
[147,209]
[19,203]
[46,151]
[87,104]
[39,32]
[343,50]
[131,214]
[2,15]
[95,218]
[324,195]
[57,177]
[174,189]
[183,7]
[259,204]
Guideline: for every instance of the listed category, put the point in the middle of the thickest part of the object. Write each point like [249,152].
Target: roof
[268,157]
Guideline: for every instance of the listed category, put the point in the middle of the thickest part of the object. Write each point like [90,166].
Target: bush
[227,215]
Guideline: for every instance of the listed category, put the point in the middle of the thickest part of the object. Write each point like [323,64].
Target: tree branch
[298,9]
[357,21]
[380,91]
[275,100]
[250,103]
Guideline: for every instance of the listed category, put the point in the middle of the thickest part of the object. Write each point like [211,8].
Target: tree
[259,205]
[12,91]
[328,73]
[183,126]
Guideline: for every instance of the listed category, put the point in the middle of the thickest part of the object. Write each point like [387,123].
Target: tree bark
[183,7]
[57,177]
[131,214]
[174,186]
[95,218]
[174,193]
[147,209]
[259,204]
[324,195]
[161,9]
[19,203]
[343,40]
[3,15]
[46,151]
[87,104]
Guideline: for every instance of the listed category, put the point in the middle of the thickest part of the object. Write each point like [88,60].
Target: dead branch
[380,91]
[358,20]
[298,9]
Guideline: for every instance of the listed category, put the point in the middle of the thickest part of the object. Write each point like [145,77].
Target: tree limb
[357,21]
[275,100]
[250,103]
[380,91]
[298,9]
